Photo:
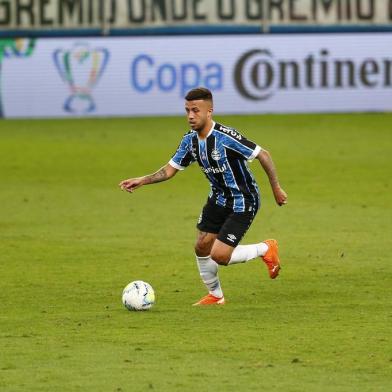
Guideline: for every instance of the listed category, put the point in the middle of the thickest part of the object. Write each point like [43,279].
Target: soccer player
[222,154]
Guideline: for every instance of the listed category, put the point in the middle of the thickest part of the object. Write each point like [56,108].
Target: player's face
[199,113]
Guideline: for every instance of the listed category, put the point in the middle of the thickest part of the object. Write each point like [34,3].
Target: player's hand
[280,196]
[131,184]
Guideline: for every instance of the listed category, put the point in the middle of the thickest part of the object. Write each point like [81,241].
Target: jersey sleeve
[182,158]
[240,144]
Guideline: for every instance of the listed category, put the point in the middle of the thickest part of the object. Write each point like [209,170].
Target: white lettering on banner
[82,14]
[147,74]
[150,76]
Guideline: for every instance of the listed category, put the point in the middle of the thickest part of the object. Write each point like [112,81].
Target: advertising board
[150,76]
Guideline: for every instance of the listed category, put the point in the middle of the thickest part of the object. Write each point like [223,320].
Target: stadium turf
[71,240]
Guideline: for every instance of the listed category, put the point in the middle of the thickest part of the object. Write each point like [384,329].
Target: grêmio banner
[110,15]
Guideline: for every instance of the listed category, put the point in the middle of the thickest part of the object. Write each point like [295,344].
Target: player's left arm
[266,162]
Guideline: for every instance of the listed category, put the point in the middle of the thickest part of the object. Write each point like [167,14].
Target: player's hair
[199,93]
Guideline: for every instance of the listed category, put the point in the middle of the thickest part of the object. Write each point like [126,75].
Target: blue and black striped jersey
[223,157]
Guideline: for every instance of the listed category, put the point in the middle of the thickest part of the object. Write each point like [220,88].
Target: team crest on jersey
[215,155]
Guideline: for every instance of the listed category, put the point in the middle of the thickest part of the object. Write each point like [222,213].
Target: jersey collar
[209,132]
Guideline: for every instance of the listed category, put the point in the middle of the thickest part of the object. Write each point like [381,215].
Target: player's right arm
[163,174]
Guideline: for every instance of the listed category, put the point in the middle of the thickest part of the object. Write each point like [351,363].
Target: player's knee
[202,248]
[220,258]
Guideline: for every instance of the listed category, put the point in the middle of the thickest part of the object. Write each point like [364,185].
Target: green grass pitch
[70,240]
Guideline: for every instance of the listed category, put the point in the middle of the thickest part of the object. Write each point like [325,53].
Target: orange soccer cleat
[271,258]
[210,300]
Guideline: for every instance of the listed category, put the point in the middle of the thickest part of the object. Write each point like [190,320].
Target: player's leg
[229,236]
[204,243]
[208,268]
[209,224]
[226,250]
[267,250]
[221,252]
[226,254]
[244,253]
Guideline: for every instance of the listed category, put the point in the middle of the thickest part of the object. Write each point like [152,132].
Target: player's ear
[210,110]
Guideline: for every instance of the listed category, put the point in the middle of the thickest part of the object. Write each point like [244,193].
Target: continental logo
[258,74]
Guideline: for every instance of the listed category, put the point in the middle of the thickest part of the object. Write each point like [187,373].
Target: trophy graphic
[81,67]
[14,48]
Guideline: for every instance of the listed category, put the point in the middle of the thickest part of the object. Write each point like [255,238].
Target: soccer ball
[138,295]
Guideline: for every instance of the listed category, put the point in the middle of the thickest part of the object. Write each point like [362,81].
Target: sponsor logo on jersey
[214,170]
[215,155]
[231,132]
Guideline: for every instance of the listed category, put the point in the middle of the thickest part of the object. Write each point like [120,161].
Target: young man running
[222,154]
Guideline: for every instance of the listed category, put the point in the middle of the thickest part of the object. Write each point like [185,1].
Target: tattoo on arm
[158,176]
